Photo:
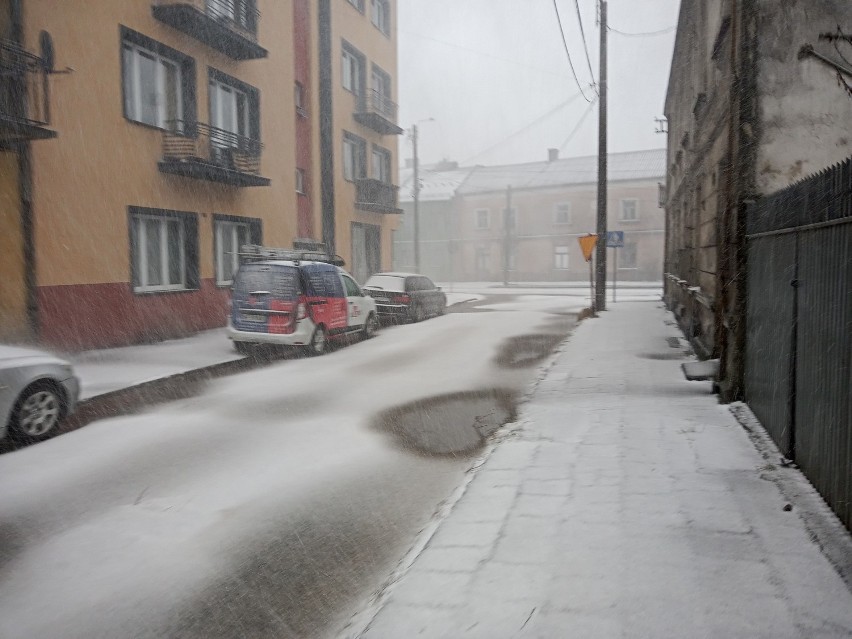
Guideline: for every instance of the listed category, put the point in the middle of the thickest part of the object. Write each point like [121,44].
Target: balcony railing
[203,152]
[24,94]
[229,26]
[378,112]
[377,196]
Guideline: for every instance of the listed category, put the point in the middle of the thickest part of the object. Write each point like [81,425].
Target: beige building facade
[183,129]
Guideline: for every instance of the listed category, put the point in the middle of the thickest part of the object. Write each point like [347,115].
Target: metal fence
[799,322]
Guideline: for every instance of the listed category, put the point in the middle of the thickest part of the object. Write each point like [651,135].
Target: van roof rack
[255,253]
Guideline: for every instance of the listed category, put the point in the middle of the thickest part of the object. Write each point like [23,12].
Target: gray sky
[486,69]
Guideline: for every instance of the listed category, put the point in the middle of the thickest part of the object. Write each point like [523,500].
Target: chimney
[552,155]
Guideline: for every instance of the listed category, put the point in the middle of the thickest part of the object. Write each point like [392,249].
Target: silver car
[37,390]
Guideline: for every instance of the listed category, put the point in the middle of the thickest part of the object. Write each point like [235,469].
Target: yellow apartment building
[182,130]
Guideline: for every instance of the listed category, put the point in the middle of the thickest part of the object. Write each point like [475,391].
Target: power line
[568,53]
[585,46]
[482,53]
[579,124]
[525,128]
[644,34]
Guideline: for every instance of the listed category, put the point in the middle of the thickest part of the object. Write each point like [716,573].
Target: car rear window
[281,281]
[386,282]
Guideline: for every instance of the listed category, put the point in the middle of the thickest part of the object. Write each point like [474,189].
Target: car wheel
[319,341]
[418,314]
[37,413]
[370,326]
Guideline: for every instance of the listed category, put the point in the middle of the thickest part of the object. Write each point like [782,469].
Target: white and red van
[297,302]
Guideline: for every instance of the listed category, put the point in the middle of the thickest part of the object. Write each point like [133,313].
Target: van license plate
[251,317]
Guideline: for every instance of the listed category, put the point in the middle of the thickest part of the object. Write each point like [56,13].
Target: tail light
[402,299]
[301,310]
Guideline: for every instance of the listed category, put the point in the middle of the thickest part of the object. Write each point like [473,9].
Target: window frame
[558,252]
[556,211]
[301,181]
[358,4]
[187,246]
[382,16]
[184,65]
[255,236]
[635,202]
[359,157]
[252,96]
[358,63]
[487,213]
[385,154]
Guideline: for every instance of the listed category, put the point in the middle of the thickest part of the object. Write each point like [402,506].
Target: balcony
[24,95]
[229,26]
[377,112]
[376,196]
[203,152]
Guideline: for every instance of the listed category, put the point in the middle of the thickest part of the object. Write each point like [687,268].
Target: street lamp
[413,135]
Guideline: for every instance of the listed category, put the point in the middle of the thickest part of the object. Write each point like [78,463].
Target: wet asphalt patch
[453,424]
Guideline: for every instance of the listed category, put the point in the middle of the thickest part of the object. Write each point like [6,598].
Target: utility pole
[416,200]
[507,240]
[600,264]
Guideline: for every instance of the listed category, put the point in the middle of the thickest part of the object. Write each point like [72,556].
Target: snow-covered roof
[634,165]
[434,185]
[443,185]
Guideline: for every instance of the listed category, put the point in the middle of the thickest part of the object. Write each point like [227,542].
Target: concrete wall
[805,117]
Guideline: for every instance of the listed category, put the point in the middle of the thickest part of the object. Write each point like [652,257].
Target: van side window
[352,289]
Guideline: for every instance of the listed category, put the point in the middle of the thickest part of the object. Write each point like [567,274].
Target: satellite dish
[48,57]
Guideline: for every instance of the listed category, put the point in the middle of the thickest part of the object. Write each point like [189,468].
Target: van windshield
[282,282]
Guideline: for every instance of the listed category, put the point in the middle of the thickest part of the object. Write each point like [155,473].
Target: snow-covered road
[272,504]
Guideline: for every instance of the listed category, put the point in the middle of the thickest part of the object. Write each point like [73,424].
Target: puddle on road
[454,424]
[526,350]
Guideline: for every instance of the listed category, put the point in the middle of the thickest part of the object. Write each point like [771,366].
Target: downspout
[326,128]
[25,190]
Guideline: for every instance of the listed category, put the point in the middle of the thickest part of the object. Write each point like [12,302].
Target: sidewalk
[628,503]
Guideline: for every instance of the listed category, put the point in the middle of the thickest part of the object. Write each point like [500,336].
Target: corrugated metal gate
[799,323]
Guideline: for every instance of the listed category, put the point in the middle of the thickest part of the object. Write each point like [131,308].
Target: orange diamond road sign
[588,243]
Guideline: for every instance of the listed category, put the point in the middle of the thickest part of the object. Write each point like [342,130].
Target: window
[300,181]
[483,218]
[157,82]
[627,256]
[162,246]
[353,70]
[381,15]
[299,99]
[560,257]
[230,236]
[381,86]
[354,157]
[352,289]
[629,210]
[237,11]
[562,215]
[358,4]
[229,108]
[381,164]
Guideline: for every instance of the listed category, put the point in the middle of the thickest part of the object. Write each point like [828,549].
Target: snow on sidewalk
[107,370]
[628,504]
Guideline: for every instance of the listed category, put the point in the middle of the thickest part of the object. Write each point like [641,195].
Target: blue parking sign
[615,239]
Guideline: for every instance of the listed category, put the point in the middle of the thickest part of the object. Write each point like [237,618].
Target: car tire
[37,413]
[418,314]
[319,341]
[370,326]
